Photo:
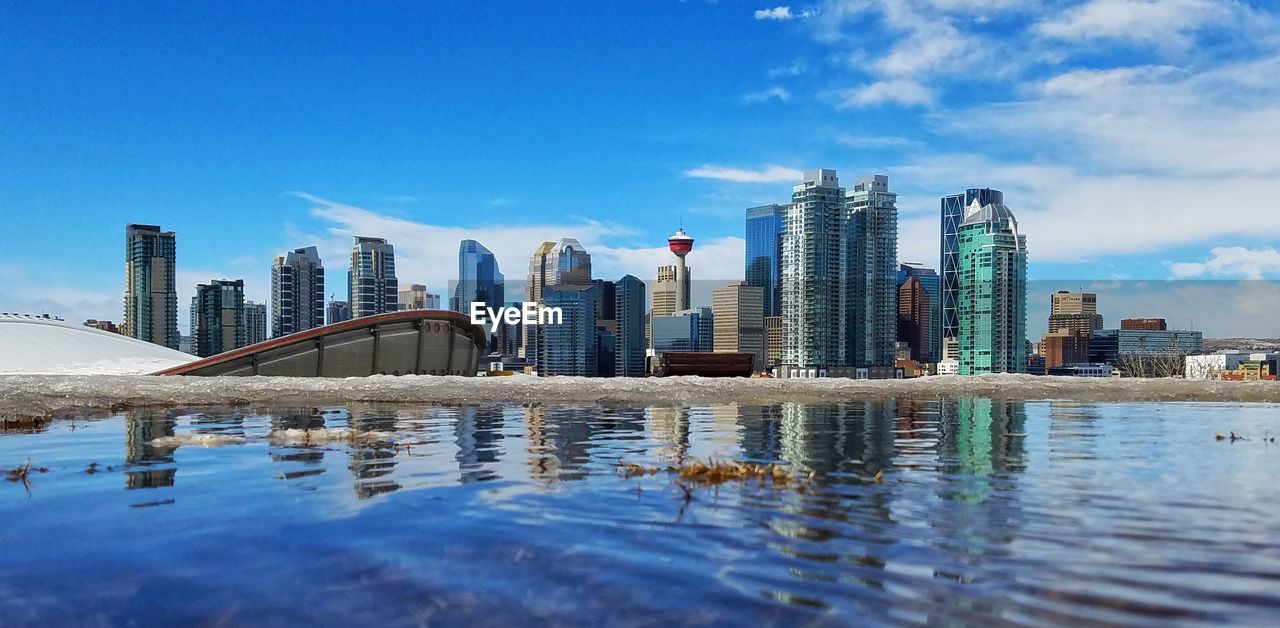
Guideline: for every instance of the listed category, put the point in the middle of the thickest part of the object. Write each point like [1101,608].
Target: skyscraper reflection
[148,466]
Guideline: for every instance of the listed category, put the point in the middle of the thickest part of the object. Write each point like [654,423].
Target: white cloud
[1231,261]
[1162,22]
[900,91]
[776,13]
[765,95]
[795,68]
[878,141]
[768,174]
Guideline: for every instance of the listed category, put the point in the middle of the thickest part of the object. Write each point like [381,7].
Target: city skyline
[723,132]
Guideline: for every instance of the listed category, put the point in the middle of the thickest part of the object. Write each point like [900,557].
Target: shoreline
[47,394]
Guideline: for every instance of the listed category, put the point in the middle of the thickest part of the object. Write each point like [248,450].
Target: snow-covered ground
[33,394]
[35,345]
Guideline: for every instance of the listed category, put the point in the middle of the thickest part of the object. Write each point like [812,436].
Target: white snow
[199,440]
[34,345]
[32,394]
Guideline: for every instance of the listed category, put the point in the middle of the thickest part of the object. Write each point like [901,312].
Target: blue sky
[1135,139]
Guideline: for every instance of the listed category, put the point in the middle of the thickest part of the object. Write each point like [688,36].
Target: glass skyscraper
[629,349]
[150,292]
[297,292]
[371,282]
[764,254]
[562,263]
[953,210]
[570,347]
[869,273]
[479,279]
[992,303]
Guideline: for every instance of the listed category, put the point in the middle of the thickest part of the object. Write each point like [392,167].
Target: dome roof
[35,344]
[992,212]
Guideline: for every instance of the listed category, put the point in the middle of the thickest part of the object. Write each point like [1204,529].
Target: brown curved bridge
[422,342]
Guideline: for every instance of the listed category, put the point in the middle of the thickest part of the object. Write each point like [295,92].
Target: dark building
[1062,348]
[915,318]
[219,317]
[629,306]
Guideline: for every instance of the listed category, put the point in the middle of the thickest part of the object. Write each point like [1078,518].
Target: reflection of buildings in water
[143,461]
[670,426]
[982,436]
[372,462]
[856,436]
[1073,433]
[760,432]
[479,436]
[559,439]
[724,429]
[310,458]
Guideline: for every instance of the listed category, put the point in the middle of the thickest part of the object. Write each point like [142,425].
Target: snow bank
[27,394]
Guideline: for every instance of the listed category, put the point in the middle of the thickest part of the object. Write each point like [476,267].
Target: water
[984,512]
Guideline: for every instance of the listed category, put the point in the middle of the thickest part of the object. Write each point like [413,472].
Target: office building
[433,301]
[953,215]
[992,303]
[255,323]
[479,279]
[1215,365]
[932,285]
[218,312]
[683,331]
[915,319]
[1144,324]
[150,292]
[1114,346]
[629,348]
[572,346]
[337,312]
[562,263]
[764,254]
[412,297]
[738,321]
[297,292]
[773,340]
[811,266]
[1074,312]
[103,325]
[869,273]
[371,282]
[1064,347]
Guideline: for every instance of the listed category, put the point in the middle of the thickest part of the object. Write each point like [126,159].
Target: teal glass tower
[992,303]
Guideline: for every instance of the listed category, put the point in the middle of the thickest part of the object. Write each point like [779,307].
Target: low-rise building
[1215,365]
[1083,370]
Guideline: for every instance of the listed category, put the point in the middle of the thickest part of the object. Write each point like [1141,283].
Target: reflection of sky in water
[987,510]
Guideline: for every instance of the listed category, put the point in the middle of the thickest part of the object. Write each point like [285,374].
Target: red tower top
[680,243]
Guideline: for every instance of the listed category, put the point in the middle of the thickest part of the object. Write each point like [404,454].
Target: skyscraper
[371,282]
[478,278]
[953,214]
[869,271]
[684,331]
[992,303]
[337,312]
[738,318]
[150,294]
[672,287]
[219,317]
[297,292]
[255,322]
[629,349]
[932,286]
[1076,312]
[811,290]
[412,297]
[764,254]
[562,263]
[915,318]
[570,347]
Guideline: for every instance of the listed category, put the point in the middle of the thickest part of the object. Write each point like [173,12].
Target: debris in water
[199,440]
